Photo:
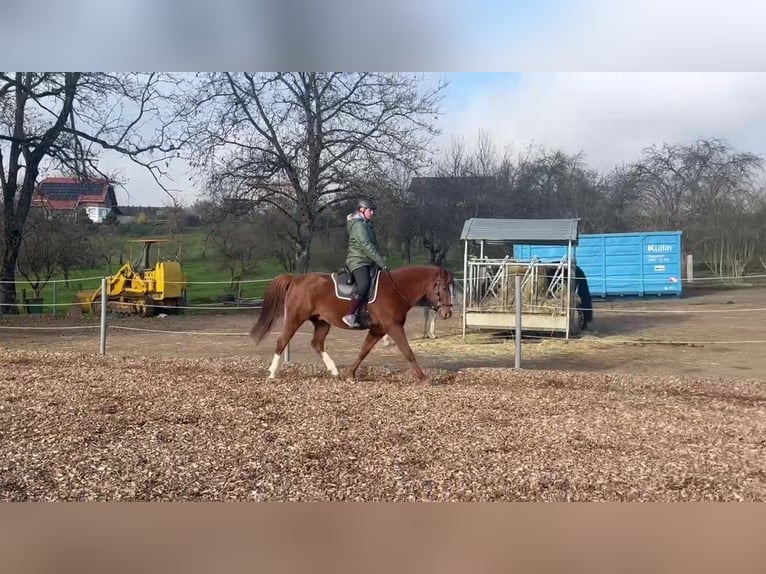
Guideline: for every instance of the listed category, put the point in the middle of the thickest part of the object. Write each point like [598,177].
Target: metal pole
[286,353]
[690,268]
[55,307]
[569,286]
[465,281]
[517,361]
[104,301]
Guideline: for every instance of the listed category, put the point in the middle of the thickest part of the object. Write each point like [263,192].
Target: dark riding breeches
[361,288]
[362,281]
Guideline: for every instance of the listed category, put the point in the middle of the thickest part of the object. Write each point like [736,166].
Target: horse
[586,301]
[322,298]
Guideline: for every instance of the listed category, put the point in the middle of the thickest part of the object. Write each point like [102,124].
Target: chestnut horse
[312,297]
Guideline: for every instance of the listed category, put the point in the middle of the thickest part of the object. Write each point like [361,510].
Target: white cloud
[613,116]
[650,35]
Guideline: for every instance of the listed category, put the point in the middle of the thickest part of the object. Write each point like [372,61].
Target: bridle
[439,303]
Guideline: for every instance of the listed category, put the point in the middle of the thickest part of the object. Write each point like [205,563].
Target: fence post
[690,268]
[517,359]
[286,353]
[55,307]
[104,301]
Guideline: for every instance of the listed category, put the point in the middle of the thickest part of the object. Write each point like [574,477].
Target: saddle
[345,286]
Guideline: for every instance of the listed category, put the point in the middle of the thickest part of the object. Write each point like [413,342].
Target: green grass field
[209,281]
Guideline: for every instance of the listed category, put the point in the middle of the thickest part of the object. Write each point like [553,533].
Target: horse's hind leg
[289,329]
[321,328]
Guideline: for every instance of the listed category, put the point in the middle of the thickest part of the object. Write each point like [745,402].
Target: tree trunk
[437,250]
[303,258]
[439,255]
[12,241]
[303,251]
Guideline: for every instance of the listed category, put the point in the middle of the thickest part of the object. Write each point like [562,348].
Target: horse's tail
[273,306]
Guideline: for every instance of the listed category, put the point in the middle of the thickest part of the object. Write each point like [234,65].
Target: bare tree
[556,184]
[728,256]
[681,185]
[39,254]
[445,200]
[510,200]
[233,237]
[398,218]
[732,237]
[63,121]
[619,201]
[105,246]
[759,216]
[72,233]
[485,160]
[302,142]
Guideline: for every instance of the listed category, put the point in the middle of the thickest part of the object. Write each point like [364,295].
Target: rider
[362,253]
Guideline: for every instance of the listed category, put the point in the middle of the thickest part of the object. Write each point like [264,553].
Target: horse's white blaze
[273,367]
[329,363]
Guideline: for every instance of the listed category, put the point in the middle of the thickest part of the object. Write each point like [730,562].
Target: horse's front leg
[369,342]
[396,332]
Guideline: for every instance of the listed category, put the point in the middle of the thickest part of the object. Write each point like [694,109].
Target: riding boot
[353,307]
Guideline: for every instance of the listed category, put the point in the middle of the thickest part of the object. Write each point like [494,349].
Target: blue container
[621,263]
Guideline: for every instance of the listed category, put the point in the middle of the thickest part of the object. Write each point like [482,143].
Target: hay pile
[78,427]
[534,293]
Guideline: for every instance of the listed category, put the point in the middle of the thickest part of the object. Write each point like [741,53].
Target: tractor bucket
[82,302]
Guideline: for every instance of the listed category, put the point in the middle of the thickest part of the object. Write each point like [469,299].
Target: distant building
[62,194]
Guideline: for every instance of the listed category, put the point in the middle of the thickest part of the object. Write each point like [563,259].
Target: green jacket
[362,244]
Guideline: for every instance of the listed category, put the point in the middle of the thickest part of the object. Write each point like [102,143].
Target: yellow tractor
[141,287]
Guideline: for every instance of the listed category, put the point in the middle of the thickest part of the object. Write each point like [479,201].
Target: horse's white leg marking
[432,324]
[330,364]
[273,367]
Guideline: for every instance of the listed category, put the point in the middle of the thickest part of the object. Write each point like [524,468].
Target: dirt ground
[178,411]
[696,335]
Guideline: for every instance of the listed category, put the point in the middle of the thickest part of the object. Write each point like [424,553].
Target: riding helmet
[364,203]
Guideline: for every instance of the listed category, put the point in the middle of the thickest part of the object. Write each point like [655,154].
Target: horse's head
[440,292]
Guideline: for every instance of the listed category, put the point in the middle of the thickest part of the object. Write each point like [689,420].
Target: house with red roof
[68,194]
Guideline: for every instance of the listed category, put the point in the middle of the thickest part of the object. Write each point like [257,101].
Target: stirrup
[350,320]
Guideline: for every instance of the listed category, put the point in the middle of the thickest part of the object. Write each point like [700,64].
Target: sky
[609,117]
[603,77]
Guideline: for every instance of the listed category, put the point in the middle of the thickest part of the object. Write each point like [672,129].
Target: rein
[395,287]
